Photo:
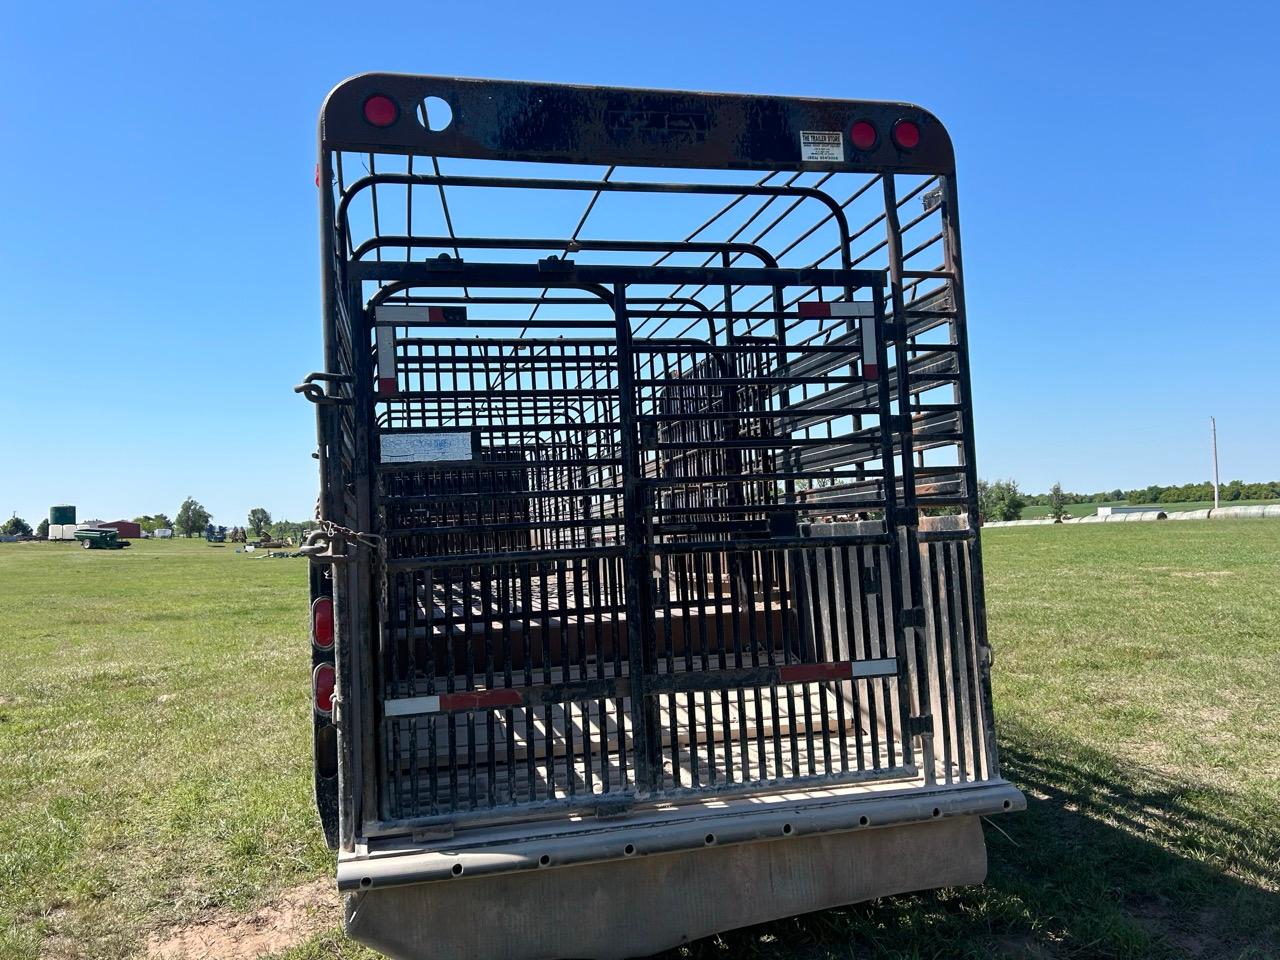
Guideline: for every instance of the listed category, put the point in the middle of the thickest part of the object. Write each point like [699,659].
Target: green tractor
[101,538]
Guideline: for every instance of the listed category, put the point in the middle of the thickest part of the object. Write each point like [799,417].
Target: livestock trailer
[646,584]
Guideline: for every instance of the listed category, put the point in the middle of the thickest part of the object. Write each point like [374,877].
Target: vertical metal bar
[369,593]
[910,543]
[950,214]
[644,719]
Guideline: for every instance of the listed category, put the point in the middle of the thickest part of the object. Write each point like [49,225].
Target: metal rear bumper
[631,887]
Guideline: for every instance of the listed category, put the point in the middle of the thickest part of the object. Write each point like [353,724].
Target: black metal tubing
[434,273]
[612,186]
[571,246]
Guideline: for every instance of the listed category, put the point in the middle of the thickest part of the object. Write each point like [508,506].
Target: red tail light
[906,134]
[322,623]
[381,111]
[322,686]
[863,135]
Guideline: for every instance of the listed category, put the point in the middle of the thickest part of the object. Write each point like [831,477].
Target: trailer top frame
[566,123]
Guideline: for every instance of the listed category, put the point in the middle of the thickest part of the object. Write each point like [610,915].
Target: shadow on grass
[1108,861]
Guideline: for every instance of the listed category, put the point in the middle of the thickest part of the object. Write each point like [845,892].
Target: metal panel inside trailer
[647,474]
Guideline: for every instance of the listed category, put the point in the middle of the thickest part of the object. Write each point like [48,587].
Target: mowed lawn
[154,738]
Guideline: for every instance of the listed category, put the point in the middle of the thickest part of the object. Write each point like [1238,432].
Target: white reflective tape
[386,340]
[409,706]
[884,667]
[853,308]
[407,314]
[869,329]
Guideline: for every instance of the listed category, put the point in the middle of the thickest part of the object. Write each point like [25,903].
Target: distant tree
[162,521]
[999,500]
[259,520]
[289,529]
[15,526]
[42,529]
[1058,503]
[192,517]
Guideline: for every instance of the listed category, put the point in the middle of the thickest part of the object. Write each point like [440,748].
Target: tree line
[191,520]
[1183,493]
[1002,500]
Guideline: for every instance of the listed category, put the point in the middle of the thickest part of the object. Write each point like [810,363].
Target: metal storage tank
[63,513]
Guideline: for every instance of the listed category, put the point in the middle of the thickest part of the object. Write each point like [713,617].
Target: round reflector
[381,111]
[322,685]
[906,134]
[863,135]
[322,622]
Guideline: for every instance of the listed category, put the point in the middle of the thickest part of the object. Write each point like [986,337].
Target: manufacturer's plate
[826,145]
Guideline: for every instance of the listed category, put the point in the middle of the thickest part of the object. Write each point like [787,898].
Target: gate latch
[319,545]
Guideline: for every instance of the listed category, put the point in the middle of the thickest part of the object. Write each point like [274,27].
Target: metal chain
[370,540]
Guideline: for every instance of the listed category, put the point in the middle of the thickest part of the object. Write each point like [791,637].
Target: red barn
[126,528]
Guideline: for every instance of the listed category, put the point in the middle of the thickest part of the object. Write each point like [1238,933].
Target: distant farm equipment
[215,534]
[101,538]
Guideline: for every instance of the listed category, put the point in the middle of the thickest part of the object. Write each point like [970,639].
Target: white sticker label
[827,145]
[425,447]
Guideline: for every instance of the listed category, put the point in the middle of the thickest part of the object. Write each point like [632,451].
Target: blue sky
[158,265]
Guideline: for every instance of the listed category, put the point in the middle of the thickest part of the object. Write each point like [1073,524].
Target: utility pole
[1213,429]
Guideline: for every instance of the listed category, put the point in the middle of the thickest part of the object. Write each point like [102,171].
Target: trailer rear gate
[620,524]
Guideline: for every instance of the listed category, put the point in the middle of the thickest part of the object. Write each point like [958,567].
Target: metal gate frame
[646,684]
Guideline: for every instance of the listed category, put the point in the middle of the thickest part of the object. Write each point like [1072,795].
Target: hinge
[919,726]
[870,580]
[913,617]
[906,516]
[556,265]
[445,262]
[608,809]
[438,831]
[898,422]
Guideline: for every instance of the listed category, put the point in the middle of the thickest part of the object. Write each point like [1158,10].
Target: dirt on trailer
[286,921]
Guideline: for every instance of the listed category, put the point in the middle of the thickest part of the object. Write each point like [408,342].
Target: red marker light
[381,111]
[322,623]
[322,686]
[906,134]
[863,135]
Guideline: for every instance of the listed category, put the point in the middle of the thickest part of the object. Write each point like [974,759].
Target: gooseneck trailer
[646,586]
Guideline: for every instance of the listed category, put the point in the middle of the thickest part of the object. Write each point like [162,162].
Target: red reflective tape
[446,314]
[481,700]
[814,308]
[805,672]
[871,370]
[386,385]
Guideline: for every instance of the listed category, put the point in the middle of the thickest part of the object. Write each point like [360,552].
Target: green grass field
[1087,509]
[154,766]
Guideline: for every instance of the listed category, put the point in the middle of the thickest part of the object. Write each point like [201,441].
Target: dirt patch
[286,921]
